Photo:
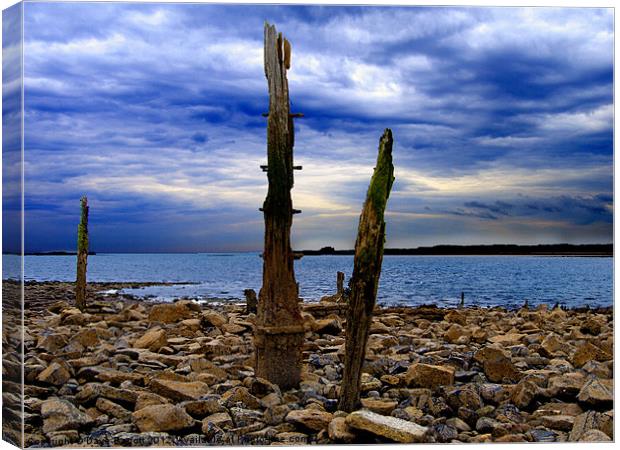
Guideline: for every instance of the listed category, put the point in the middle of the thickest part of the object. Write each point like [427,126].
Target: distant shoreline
[51,253]
[557,250]
[552,250]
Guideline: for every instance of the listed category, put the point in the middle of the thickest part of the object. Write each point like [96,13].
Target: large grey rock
[397,430]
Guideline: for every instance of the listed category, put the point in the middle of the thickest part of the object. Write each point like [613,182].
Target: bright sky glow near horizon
[502,120]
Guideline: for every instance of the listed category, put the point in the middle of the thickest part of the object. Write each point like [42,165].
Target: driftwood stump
[82,256]
[366,272]
[279,332]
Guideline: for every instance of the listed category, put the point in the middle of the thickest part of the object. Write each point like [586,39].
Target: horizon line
[70,252]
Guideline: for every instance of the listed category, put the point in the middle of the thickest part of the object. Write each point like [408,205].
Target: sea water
[405,280]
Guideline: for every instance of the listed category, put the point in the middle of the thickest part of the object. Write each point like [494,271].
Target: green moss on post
[366,272]
[82,256]
[383,176]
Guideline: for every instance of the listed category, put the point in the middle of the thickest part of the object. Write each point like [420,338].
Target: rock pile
[135,374]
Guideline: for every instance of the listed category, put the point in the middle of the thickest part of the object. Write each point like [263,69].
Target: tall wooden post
[82,256]
[366,272]
[279,329]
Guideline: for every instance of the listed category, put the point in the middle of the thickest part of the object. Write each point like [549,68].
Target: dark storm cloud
[570,209]
[499,207]
[11,129]
[500,115]
[11,78]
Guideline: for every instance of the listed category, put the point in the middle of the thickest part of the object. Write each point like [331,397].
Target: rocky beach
[127,372]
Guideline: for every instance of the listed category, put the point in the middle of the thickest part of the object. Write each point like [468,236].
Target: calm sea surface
[410,280]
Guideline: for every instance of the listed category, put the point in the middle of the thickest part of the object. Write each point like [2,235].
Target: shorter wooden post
[526,304]
[82,256]
[340,283]
[251,302]
[366,272]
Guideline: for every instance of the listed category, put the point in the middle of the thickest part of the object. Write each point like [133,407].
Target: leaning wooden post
[279,333]
[82,256]
[366,271]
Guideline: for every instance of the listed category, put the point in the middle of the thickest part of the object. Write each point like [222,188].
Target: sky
[502,121]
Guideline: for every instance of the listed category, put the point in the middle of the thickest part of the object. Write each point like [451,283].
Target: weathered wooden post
[279,332]
[366,272]
[251,302]
[82,256]
[340,283]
